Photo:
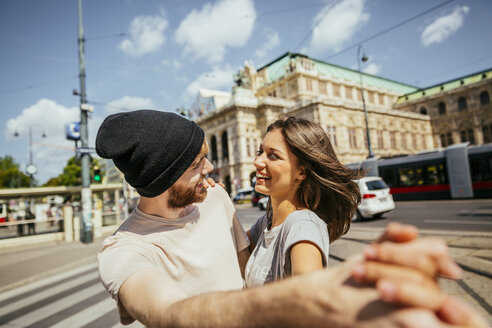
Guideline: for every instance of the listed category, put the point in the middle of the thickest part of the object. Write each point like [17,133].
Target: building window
[414,141]
[393,139]
[487,133]
[248,147]
[423,110]
[309,85]
[442,108]
[322,87]
[380,140]
[381,99]
[348,93]
[352,138]
[332,134]
[370,97]
[462,103]
[336,90]
[484,98]
[467,135]
[225,145]
[450,138]
[443,140]
[424,142]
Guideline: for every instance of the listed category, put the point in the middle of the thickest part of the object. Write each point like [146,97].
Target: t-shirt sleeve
[240,236]
[257,228]
[310,231]
[119,259]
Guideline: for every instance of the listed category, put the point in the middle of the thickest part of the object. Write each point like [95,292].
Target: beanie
[151,148]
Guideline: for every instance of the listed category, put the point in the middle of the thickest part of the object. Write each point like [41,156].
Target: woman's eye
[272,156]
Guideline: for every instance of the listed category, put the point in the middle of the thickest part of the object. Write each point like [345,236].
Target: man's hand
[399,245]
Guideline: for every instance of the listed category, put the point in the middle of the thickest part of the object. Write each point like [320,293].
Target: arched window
[484,98]
[442,108]
[462,103]
[225,149]
[213,147]
[423,110]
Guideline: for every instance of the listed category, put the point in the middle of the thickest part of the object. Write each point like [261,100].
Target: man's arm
[325,298]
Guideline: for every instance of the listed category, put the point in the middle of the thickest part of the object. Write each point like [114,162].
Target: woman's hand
[209,182]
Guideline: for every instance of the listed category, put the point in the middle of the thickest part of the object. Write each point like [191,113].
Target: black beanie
[152,148]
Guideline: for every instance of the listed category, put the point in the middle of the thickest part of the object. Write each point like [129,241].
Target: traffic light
[97,174]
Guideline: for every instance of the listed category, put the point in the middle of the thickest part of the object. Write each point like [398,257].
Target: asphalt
[471,250]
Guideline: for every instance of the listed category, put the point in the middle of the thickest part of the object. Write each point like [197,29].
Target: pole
[86,195]
[368,135]
[30,156]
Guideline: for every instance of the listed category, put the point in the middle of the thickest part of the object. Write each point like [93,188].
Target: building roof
[220,97]
[276,70]
[446,86]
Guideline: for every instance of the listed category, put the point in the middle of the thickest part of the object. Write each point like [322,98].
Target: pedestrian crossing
[74,298]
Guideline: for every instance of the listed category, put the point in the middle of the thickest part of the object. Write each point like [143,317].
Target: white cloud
[51,153]
[217,79]
[207,33]
[128,103]
[444,26]
[373,69]
[146,35]
[272,41]
[336,25]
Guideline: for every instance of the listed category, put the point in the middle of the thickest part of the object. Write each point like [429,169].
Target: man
[178,259]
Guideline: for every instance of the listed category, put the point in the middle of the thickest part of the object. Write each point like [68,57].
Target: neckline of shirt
[181,220]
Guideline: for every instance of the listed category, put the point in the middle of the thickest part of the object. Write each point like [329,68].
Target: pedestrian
[31,225]
[178,259]
[312,198]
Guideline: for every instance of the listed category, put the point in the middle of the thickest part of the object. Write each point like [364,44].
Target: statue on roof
[242,80]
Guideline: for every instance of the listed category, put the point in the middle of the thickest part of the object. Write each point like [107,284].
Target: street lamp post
[31,168]
[364,58]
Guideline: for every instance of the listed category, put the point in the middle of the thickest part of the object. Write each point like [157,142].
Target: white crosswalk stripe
[75,298]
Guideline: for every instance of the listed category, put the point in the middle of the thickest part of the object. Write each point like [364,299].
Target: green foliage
[10,174]
[72,174]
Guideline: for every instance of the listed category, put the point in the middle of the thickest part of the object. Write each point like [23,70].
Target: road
[449,215]
[61,287]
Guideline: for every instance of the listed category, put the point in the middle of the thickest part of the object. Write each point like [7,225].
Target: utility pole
[364,58]
[86,196]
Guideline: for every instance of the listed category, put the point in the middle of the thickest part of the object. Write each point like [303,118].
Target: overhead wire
[389,29]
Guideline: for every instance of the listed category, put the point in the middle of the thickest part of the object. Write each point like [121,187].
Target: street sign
[85,150]
[72,131]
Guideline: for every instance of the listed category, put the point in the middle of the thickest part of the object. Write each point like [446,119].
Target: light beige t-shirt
[197,253]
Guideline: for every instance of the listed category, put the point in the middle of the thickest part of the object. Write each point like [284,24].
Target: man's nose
[208,167]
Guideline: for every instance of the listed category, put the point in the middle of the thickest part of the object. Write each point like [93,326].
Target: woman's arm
[305,257]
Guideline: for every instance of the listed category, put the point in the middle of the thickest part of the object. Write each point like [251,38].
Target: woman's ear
[301,173]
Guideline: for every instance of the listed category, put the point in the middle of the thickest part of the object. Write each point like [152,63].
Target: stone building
[296,85]
[460,110]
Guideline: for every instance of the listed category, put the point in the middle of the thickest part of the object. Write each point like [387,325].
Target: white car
[376,198]
[262,203]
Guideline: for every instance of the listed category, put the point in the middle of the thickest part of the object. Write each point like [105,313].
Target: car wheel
[358,217]
[377,216]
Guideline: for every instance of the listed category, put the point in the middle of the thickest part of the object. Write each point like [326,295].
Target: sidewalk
[472,250]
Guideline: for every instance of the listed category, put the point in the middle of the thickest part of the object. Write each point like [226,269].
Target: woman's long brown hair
[329,189]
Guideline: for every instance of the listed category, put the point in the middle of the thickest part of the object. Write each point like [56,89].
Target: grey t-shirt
[270,259]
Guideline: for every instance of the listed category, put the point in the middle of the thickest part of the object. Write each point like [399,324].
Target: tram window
[435,174]
[390,176]
[481,169]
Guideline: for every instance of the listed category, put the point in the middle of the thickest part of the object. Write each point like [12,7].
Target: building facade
[460,110]
[296,85]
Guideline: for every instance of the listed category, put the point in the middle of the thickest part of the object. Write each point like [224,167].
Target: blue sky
[156,54]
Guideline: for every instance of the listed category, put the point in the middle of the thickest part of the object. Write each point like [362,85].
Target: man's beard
[180,197]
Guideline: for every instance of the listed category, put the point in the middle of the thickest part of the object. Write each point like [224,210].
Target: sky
[157,54]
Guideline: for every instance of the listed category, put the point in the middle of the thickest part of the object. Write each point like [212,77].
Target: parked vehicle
[376,198]
[262,203]
[256,198]
[244,195]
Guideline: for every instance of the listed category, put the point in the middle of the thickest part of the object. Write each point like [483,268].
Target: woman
[312,201]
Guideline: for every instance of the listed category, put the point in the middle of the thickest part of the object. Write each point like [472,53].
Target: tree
[72,174]
[10,174]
